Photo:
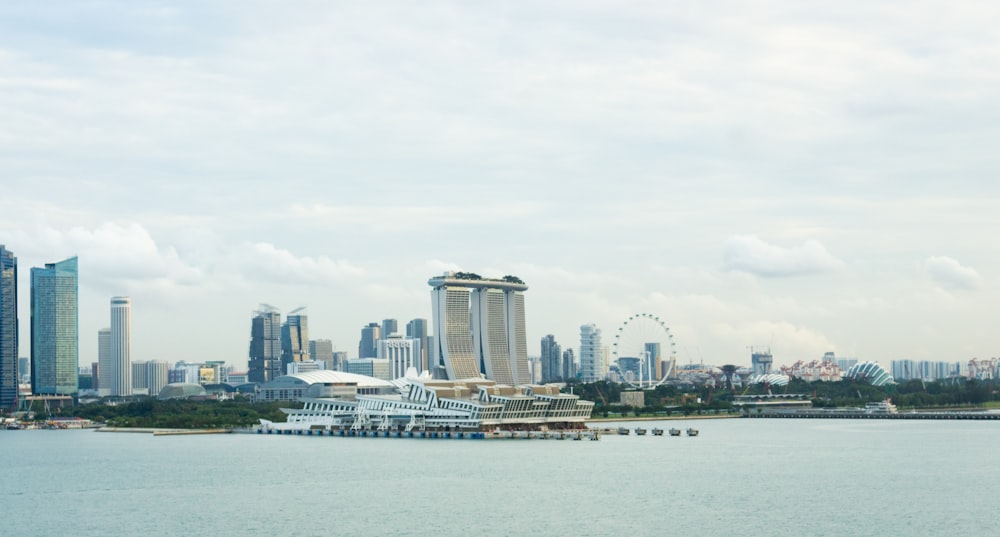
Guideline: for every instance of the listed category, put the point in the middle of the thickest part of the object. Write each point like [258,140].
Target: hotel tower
[479,328]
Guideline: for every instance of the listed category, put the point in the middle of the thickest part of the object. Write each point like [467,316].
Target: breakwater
[861,415]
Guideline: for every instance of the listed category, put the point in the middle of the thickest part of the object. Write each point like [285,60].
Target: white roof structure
[363,381]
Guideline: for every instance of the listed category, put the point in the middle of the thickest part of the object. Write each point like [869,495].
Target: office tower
[54,322]
[368,346]
[551,358]
[402,353]
[321,350]
[120,348]
[479,327]
[156,376]
[591,353]
[265,345]
[569,365]
[417,329]
[95,372]
[294,339]
[8,329]
[340,360]
[653,361]
[104,362]
[371,367]
[389,327]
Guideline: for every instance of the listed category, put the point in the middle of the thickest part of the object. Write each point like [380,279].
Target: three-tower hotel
[479,328]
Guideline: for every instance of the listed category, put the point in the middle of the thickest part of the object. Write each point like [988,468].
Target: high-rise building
[321,350]
[368,346]
[340,360]
[417,329]
[479,327]
[140,378]
[551,359]
[294,340]
[569,365]
[760,361]
[371,367]
[389,327]
[54,323]
[265,345]
[104,362]
[156,376]
[120,348]
[591,353]
[401,352]
[8,329]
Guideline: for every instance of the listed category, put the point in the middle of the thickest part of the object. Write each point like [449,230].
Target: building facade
[9,376]
[389,327]
[368,346]
[54,324]
[321,350]
[265,345]
[401,352]
[104,362]
[120,347]
[479,327]
[417,329]
[591,354]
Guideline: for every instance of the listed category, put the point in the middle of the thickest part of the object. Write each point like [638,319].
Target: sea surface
[739,477]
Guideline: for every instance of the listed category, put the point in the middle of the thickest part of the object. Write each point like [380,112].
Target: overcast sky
[810,176]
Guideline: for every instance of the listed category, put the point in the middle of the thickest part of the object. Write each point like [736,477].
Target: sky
[809,177]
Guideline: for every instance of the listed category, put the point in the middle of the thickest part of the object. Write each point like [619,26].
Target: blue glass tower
[54,325]
[8,328]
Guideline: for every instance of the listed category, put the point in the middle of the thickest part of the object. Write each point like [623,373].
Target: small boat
[657,431]
[623,431]
[675,432]
[639,431]
[692,432]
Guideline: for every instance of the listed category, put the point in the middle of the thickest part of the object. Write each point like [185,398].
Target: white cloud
[265,262]
[750,254]
[949,273]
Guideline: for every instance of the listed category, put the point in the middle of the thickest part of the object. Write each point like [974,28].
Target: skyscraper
[551,359]
[104,362]
[417,329]
[591,354]
[389,327]
[54,323]
[321,350]
[120,347]
[479,326]
[8,329]
[265,345]
[368,346]
[294,340]
[569,365]
[401,352]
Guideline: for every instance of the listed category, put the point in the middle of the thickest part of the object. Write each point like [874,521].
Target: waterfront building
[337,402]
[265,345]
[368,346]
[120,348]
[389,327]
[304,367]
[54,324]
[321,350]
[591,353]
[479,327]
[9,377]
[870,372]
[551,359]
[372,367]
[402,353]
[104,362]
[417,329]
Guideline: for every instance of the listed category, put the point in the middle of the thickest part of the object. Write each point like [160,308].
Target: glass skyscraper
[265,345]
[8,328]
[54,324]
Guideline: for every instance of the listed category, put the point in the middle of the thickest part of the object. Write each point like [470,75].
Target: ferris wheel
[644,351]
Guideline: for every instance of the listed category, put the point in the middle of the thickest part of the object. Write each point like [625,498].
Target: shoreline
[664,418]
[162,432]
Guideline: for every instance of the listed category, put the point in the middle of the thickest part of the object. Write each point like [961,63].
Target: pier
[583,434]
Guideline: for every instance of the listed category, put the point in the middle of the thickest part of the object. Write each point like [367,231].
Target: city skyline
[810,179]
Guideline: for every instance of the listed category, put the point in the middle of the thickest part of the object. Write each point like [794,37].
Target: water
[741,477]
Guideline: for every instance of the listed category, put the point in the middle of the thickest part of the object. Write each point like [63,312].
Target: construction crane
[296,310]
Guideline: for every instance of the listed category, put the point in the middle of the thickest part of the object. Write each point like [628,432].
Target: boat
[623,431]
[657,431]
[692,432]
[639,431]
[675,432]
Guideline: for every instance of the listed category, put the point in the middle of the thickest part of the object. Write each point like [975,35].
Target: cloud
[266,262]
[750,254]
[949,273]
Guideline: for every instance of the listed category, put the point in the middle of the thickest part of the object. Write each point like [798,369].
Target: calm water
[740,477]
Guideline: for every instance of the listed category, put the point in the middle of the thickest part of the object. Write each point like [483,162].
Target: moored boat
[692,432]
[675,432]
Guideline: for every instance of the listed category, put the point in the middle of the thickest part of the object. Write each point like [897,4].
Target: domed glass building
[871,372]
[181,390]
